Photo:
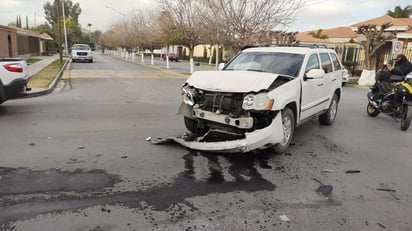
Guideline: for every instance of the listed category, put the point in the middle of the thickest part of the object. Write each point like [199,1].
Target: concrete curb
[53,84]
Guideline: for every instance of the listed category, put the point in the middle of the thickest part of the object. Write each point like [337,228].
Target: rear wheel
[2,95]
[372,111]
[288,125]
[329,116]
[406,118]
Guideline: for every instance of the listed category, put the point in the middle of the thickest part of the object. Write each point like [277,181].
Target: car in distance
[81,52]
[259,97]
[172,57]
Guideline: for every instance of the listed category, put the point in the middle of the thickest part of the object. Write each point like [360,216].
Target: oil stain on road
[25,182]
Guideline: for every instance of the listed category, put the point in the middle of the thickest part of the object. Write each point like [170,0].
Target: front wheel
[372,111]
[288,125]
[406,118]
[329,116]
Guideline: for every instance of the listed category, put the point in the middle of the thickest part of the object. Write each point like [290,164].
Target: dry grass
[46,76]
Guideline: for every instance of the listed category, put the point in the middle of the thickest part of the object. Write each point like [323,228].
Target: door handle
[320,84]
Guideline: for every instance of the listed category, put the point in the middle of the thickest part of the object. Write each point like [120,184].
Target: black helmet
[401,58]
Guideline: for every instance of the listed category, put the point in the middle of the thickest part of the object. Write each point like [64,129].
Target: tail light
[14,67]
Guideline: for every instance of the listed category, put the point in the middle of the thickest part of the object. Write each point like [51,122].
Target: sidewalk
[36,67]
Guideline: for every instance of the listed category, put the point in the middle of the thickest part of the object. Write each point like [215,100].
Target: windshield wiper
[257,70]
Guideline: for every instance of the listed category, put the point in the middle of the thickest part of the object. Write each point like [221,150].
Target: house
[16,42]
[342,39]
[8,42]
[345,40]
[403,29]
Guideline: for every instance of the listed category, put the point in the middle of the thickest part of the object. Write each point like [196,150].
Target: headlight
[188,96]
[257,102]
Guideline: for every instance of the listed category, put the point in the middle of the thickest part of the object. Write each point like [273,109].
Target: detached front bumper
[258,139]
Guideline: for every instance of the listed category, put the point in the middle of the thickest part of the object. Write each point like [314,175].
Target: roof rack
[286,45]
[302,45]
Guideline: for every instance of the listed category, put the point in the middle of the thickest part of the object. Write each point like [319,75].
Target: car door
[338,70]
[312,90]
[328,80]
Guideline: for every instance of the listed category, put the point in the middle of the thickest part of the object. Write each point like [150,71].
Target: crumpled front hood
[231,81]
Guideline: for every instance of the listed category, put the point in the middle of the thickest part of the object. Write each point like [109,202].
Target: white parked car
[82,52]
[259,97]
[13,78]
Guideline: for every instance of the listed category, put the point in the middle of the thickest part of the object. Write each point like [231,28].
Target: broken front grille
[222,103]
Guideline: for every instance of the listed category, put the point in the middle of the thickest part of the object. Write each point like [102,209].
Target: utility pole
[65,31]
[60,31]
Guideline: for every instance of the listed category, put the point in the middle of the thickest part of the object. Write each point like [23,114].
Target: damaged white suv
[259,97]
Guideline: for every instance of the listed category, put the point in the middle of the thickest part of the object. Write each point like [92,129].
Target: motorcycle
[393,98]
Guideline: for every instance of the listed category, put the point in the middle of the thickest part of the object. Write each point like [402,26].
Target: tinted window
[336,62]
[313,63]
[326,62]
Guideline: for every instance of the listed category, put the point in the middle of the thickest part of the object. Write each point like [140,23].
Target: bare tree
[245,22]
[186,18]
[376,37]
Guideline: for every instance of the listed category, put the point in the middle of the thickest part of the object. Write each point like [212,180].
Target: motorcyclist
[401,69]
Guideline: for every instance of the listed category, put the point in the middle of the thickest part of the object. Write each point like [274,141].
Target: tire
[91,61]
[193,126]
[2,95]
[406,118]
[329,116]
[288,125]
[372,111]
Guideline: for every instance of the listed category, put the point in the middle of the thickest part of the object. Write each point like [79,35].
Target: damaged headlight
[188,96]
[257,102]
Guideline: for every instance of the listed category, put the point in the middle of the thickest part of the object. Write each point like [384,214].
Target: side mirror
[314,74]
[221,66]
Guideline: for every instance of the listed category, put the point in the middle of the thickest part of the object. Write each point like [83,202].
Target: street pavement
[36,67]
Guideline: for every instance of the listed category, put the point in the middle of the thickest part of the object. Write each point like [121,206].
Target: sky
[101,14]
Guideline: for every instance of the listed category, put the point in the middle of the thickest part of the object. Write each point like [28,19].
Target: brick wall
[8,42]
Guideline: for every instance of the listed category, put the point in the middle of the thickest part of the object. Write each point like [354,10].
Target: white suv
[259,97]
[81,52]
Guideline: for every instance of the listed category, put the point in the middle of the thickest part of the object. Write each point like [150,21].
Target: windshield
[80,47]
[277,63]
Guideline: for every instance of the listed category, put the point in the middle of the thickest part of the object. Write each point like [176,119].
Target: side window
[336,62]
[326,62]
[313,63]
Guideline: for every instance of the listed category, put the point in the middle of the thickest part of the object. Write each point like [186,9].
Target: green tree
[318,34]
[70,10]
[398,12]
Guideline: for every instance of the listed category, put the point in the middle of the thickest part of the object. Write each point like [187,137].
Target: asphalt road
[78,159]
